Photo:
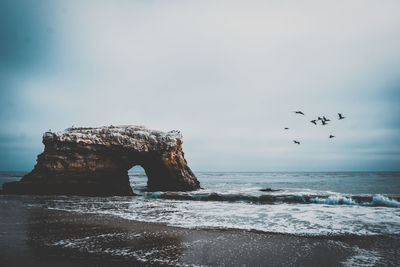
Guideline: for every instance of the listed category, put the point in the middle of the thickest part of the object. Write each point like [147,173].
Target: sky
[227,74]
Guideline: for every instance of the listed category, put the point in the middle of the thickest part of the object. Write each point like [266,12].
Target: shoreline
[39,236]
[336,237]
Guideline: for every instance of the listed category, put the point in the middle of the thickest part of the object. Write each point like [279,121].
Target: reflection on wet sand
[112,239]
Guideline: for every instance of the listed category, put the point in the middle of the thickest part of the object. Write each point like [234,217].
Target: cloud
[226,73]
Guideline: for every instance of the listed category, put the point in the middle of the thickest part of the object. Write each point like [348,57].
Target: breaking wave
[373,201]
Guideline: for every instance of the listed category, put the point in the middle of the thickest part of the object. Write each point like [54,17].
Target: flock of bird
[323,120]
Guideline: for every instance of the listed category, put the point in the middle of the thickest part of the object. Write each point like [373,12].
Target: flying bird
[314,121]
[325,119]
[299,112]
[324,122]
[296,142]
[320,119]
[341,117]
[286,128]
[331,136]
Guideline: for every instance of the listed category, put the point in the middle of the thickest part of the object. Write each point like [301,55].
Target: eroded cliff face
[95,161]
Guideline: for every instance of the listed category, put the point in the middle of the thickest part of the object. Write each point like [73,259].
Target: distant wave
[373,201]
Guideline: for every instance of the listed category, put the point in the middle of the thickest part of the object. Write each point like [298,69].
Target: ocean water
[355,203]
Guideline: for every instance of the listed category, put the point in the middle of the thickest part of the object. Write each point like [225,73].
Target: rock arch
[95,161]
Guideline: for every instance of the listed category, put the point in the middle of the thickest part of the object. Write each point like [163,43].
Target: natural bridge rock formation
[95,161]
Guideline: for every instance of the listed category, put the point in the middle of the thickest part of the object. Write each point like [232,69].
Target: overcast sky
[225,73]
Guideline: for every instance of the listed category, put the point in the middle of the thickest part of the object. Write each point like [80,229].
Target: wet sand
[34,236]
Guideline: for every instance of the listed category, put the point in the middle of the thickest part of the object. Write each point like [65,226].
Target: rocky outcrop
[95,161]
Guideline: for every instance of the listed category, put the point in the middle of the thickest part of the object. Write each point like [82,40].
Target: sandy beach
[33,235]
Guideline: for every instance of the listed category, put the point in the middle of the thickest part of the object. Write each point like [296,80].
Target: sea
[298,203]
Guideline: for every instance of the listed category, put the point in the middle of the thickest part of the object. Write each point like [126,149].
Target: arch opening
[137,179]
